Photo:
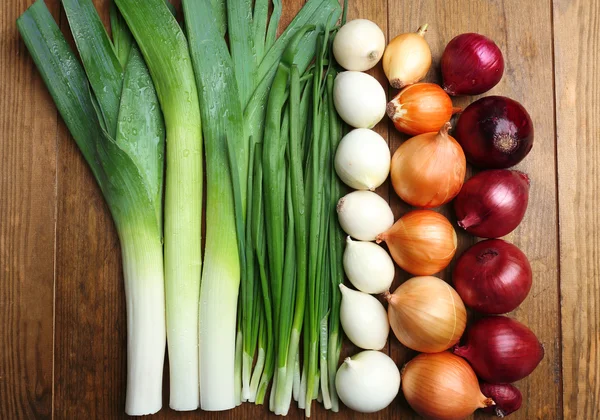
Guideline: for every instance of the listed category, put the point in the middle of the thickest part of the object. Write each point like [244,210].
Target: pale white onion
[364,319]
[359,99]
[368,381]
[362,159]
[364,215]
[359,45]
[368,266]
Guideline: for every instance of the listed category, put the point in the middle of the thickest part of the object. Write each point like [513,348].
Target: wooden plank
[90,345]
[527,47]
[577,81]
[28,121]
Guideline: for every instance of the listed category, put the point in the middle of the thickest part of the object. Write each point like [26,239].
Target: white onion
[359,45]
[364,319]
[362,159]
[368,266]
[359,99]
[364,215]
[368,381]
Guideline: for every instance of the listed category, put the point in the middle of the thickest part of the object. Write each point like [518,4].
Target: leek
[121,136]
[165,51]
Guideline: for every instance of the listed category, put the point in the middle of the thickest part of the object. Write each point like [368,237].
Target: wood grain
[577,78]
[28,122]
[60,258]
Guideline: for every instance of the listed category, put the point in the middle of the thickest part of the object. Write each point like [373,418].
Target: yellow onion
[421,242]
[428,170]
[426,314]
[407,58]
[442,386]
[421,108]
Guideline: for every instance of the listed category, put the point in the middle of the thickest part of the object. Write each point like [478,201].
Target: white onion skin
[368,381]
[359,45]
[368,266]
[363,159]
[364,319]
[364,215]
[359,99]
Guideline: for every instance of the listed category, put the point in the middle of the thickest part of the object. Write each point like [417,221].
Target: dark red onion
[492,277]
[500,349]
[471,64]
[495,132]
[507,397]
[492,203]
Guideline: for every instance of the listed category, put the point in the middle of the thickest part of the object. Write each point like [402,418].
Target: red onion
[492,277]
[492,203]
[500,349]
[495,132]
[507,397]
[471,64]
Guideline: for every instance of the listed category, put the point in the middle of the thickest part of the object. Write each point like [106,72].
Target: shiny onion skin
[442,386]
[500,349]
[507,397]
[492,203]
[471,64]
[495,132]
[421,242]
[426,314]
[492,277]
[420,108]
[428,170]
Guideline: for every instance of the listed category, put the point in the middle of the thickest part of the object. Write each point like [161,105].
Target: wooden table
[62,315]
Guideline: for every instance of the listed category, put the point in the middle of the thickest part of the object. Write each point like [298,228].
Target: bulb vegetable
[364,319]
[442,386]
[368,266]
[407,58]
[429,170]
[359,99]
[507,397]
[362,159]
[426,314]
[364,215]
[359,45]
[421,242]
[368,381]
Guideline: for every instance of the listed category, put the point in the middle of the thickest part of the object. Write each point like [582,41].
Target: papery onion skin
[407,58]
[471,65]
[492,203]
[500,349]
[428,170]
[421,242]
[507,397]
[420,108]
[493,277]
[495,132]
[426,314]
[442,386]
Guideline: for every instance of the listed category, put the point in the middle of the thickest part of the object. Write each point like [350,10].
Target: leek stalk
[165,51]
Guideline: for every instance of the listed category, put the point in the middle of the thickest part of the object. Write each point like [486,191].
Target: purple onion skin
[492,203]
[500,349]
[471,64]
[495,132]
[493,277]
[507,397]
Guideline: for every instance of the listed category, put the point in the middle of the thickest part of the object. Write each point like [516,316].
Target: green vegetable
[121,135]
[165,51]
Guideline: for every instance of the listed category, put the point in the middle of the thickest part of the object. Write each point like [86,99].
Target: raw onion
[507,397]
[471,64]
[495,132]
[492,203]
[500,349]
[492,277]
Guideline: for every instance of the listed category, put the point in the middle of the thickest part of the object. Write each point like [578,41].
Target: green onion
[165,51]
[121,136]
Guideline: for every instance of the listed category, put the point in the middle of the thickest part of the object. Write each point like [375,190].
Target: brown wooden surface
[62,318]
